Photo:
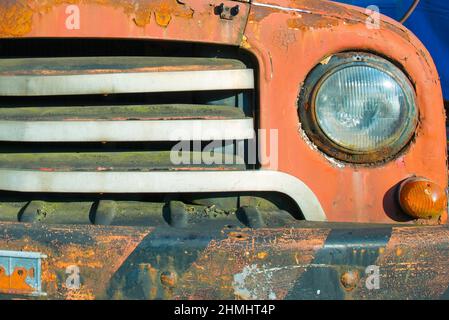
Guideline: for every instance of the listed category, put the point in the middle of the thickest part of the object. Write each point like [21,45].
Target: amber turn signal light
[422,198]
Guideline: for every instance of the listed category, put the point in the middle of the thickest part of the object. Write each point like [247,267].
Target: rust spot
[312,21]
[80,295]
[162,18]
[142,17]
[169,279]
[163,11]
[239,236]
[349,280]
[262,255]
[244,43]
[16,18]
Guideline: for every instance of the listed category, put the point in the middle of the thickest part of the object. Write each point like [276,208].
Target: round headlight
[359,108]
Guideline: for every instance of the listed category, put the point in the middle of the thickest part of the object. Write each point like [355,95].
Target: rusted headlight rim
[307,113]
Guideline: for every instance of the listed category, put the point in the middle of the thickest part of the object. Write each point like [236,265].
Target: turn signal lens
[422,199]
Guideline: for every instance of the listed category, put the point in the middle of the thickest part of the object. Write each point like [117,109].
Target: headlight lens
[360,108]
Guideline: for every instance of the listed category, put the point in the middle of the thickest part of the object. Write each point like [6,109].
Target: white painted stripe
[272,6]
[42,85]
[165,182]
[153,130]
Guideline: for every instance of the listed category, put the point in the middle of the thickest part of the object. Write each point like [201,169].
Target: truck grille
[89,135]
[153,120]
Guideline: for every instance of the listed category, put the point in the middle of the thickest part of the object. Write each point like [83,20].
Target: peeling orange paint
[17,15]
[289,40]
[155,19]
[308,21]
[16,282]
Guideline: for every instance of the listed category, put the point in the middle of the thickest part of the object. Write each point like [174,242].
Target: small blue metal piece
[28,265]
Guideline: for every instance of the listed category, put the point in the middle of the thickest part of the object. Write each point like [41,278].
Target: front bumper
[307,261]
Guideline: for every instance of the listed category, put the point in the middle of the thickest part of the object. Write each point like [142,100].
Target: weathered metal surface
[289,39]
[112,75]
[56,212]
[122,113]
[209,261]
[95,250]
[123,122]
[108,65]
[158,19]
[125,130]
[142,82]
[145,212]
[171,181]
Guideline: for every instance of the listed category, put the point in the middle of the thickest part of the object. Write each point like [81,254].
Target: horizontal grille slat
[124,123]
[122,112]
[116,131]
[105,65]
[82,76]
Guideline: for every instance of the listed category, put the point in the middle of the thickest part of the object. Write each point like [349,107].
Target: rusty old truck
[218,149]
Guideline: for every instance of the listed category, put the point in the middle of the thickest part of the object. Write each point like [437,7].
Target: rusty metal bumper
[308,261]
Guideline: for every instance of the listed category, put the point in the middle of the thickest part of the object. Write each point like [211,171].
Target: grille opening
[91,47]
[236,99]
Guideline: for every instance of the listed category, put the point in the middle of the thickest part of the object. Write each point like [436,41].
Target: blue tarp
[430,22]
